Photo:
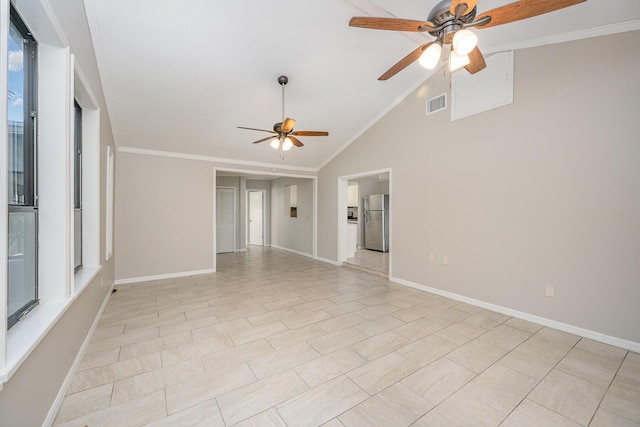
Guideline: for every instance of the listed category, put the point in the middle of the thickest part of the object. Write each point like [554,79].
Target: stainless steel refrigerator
[376,222]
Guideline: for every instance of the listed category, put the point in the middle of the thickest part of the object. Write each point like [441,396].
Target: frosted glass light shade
[275,143]
[464,41]
[287,144]
[457,61]
[430,57]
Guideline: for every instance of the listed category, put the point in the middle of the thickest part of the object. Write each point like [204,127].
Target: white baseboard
[292,251]
[163,276]
[55,407]
[585,333]
[329,261]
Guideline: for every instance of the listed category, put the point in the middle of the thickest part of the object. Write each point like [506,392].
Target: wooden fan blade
[296,141]
[404,62]
[259,130]
[476,61]
[470,4]
[287,125]
[394,24]
[263,139]
[309,133]
[524,9]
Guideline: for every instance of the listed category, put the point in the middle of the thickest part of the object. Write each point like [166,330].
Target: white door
[225,220]
[256,232]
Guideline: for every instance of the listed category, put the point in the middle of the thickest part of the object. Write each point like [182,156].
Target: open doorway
[275,226]
[256,218]
[364,223]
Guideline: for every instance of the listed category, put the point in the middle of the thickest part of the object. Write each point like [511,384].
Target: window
[22,204]
[77,188]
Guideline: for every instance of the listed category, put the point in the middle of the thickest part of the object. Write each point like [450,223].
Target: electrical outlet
[431,258]
[161,258]
[549,291]
[445,260]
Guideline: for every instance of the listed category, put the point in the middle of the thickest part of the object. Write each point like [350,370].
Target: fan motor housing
[447,24]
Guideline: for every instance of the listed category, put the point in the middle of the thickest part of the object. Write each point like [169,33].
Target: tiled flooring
[370,261]
[275,339]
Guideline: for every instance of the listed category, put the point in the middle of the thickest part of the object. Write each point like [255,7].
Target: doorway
[225,219]
[353,251]
[256,218]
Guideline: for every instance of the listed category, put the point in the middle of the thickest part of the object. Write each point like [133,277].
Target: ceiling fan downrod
[283,80]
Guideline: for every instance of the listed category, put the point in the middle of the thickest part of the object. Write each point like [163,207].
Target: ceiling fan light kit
[457,61]
[464,41]
[448,22]
[431,56]
[285,137]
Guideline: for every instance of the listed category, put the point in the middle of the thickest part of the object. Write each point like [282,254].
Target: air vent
[436,104]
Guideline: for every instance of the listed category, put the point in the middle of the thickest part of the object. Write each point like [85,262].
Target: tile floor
[275,339]
[373,262]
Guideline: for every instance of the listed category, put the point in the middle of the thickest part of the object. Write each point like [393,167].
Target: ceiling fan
[448,22]
[285,137]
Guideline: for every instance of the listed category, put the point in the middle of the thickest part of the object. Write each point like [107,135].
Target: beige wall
[545,191]
[164,206]
[292,233]
[164,216]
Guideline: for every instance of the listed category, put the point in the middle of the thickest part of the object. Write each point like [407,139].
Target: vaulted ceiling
[182,76]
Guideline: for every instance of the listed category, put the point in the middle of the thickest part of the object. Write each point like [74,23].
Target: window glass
[77,188]
[22,236]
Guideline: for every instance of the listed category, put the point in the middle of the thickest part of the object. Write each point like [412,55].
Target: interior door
[225,220]
[256,227]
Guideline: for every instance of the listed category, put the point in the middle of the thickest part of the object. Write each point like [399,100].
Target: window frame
[29,164]
[77,185]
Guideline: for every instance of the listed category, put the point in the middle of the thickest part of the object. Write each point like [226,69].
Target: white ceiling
[181,76]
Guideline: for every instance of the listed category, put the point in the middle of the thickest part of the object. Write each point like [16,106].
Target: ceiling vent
[436,104]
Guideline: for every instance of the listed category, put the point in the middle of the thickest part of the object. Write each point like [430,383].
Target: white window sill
[25,335]
[83,277]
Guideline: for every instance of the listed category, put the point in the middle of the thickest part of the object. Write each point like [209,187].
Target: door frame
[343,183]
[273,172]
[235,214]
[264,193]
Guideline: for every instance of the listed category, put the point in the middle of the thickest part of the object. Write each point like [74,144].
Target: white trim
[604,30]
[328,261]
[247,220]
[84,277]
[4,152]
[586,333]
[163,276]
[55,407]
[110,198]
[282,248]
[210,159]
[42,22]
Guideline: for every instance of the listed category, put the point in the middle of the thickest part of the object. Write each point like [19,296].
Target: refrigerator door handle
[366,208]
